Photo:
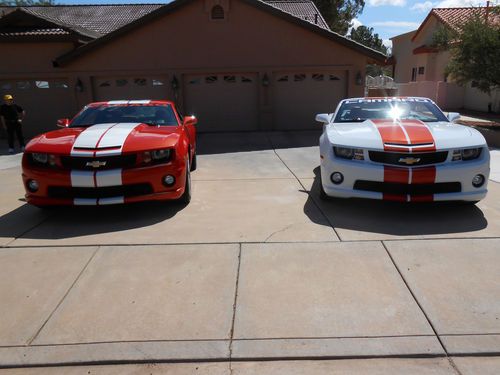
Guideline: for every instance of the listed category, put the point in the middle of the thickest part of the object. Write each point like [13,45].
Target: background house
[419,68]
[236,64]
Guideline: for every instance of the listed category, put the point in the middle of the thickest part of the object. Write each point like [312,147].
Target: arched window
[217,13]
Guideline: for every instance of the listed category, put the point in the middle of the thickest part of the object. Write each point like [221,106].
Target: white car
[401,149]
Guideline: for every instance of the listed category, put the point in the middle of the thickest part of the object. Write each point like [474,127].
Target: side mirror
[190,120]
[63,123]
[324,118]
[453,116]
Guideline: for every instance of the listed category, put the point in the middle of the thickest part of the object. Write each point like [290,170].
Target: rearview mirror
[453,116]
[190,120]
[63,123]
[324,118]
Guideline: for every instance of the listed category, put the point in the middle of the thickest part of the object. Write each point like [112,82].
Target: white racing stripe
[89,139]
[115,137]
[84,202]
[82,179]
[112,200]
[112,177]
[139,101]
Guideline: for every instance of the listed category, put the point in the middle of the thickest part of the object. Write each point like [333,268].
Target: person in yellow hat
[12,117]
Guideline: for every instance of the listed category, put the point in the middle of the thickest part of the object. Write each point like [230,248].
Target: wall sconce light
[265,80]
[359,79]
[174,83]
[79,85]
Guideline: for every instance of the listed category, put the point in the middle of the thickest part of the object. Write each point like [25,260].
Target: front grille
[393,158]
[412,189]
[99,192]
[112,162]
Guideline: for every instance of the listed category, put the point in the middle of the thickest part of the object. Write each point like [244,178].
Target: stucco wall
[402,51]
[478,101]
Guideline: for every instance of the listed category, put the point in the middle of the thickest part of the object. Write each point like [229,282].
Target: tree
[365,36]
[21,3]
[475,51]
[338,14]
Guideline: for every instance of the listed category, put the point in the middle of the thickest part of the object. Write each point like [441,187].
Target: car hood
[105,139]
[374,134]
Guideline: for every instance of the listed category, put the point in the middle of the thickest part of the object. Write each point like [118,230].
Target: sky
[388,18]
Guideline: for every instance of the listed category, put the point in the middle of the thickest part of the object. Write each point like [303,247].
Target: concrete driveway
[255,276]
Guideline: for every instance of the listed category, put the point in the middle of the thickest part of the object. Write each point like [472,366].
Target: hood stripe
[400,135]
[89,138]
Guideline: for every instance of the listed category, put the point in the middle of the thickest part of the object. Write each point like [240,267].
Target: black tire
[193,162]
[186,196]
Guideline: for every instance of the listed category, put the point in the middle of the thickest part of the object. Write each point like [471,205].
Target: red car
[111,153]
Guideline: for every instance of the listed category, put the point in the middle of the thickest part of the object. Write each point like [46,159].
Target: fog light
[168,180]
[478,180]
[33,186]
[337,178]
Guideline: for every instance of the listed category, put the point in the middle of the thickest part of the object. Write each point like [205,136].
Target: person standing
[12,117]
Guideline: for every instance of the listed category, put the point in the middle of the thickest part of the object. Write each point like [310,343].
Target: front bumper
[115,186]
[448,181]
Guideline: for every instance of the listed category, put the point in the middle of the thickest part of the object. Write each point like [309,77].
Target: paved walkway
[256,275]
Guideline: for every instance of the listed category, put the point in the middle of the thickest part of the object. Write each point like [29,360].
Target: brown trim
[425,49]
[176,4]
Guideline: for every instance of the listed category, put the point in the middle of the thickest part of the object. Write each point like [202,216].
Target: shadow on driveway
[81,221]
[394,218]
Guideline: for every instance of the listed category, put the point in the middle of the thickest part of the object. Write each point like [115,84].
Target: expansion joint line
[235,301]
[63,297]
[450,360]
[303,187]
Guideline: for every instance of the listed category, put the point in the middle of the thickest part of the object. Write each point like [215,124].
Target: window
[414,74]
[195,81]
[230,79]
[121,82]
[157,82]
[211,79]
[59,85]
[318,77]
[217,13]
[6,86]
[23,85]
[421,70]
[105,84]
[283,79]
[299,77]
[140,81]
[334,78]
[42,84]
[246,79]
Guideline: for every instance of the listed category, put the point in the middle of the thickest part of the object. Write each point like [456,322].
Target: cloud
[422,7]
[458,3]
[396,24]
[355,23]
[387,43]
[396,3]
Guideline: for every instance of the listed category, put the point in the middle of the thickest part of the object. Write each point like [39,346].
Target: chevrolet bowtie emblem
[409,160]
[95,164]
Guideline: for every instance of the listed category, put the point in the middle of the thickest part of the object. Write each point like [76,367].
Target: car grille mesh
[99,192]
[393,158]
[111,162]
[413,189]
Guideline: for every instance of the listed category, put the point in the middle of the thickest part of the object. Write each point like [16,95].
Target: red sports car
[111,153]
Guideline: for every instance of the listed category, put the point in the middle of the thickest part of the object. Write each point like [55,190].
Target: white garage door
[128,88]
[298,97]
[44,100]
[222,102]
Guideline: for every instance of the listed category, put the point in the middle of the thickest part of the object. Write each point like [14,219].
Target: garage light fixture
[174,83]
[359,79]
[265,80]
[79,85]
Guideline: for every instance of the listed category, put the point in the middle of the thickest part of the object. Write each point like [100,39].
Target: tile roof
[303,9]
[454,17]
[30,31]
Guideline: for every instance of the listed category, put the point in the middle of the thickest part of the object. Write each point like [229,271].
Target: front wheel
[186,196]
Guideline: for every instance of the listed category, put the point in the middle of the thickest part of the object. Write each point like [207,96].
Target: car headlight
[349,153]
[157,155]
[466,154]
[44,159]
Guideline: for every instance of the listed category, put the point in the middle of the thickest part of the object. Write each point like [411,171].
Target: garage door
[45,101]
[222,102]
[298,97]
[128,88]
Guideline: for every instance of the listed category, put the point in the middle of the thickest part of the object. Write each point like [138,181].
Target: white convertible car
[401,149]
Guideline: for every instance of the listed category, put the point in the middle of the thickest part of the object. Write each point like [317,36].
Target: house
[419,68]
[238,65]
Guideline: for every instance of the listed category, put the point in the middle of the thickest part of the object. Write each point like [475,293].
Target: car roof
[145,102]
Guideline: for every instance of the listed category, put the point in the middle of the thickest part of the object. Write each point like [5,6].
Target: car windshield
[359,110]
[160,115]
